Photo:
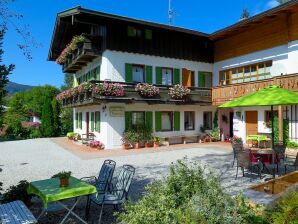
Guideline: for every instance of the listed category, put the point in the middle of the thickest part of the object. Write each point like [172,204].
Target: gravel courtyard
[41,158]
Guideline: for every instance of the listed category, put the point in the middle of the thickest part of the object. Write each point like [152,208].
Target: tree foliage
[47,124]
[282,1]
[56,117]
[245,14]
[4,72]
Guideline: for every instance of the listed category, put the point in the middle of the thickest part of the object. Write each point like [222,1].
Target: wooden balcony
[222,94]
[198,96]
[84,54]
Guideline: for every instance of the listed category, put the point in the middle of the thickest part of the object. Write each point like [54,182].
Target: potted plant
[147,136]
[96,144]
[136,139]
[126,139]
[64,178]
[76,137]
[146,90]
[156,141]
[236,141]
[70,135]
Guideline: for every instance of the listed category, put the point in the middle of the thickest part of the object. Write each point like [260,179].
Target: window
[80,119]
[207,120]
[138,73]
[268,117]
[138,119]
[205,79]
[189,120]
[247,73]
[167,76]
[166,121]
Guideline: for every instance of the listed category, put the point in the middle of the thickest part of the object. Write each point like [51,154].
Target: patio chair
[235,147]
[86,138]
[118,194]
[244,161]
[291,161]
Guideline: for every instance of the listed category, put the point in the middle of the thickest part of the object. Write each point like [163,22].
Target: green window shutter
[158,74]
[176,121]
[149,74]
[157,121]
[77,119]
[81,120]
[176,76]
[98,73]
[149,119]
[202,80]
[128,72]
[92,121]
[97,121]
[128,120]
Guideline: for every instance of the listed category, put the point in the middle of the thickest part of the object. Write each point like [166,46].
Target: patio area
[41,158]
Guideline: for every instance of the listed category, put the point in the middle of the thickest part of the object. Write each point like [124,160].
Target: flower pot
[137,145]
[156,144]
[148,145]
[126,146]
[64,182]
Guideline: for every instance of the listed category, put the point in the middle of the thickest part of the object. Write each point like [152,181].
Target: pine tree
[56,117]
[47,119]
[4,72]
[245,14]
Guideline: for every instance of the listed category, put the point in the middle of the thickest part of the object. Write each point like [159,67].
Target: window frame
[136,125]
[172,76]
[171,119]
[204,125]
[144,72]
[194,120]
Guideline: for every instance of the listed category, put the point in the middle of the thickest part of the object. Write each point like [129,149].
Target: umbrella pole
[272,140]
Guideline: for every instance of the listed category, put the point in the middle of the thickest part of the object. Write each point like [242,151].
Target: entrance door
[187,78]
[87,123]
[231,116]
[251,122]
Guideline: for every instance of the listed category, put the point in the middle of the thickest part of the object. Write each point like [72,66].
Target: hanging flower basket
[146,90]
[179,92]
[109,89]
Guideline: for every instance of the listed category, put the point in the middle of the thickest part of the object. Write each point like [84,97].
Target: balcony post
[280,123]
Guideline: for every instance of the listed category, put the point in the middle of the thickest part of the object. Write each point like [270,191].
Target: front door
[251,122]
[187,78]
[87,123]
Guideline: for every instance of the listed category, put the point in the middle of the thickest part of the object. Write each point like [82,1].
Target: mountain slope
[13,87]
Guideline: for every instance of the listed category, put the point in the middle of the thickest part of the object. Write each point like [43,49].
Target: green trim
[201,79]
[77,120]
[97,121]
[128,72]
[149,74]
[128,120]
[157,121]
[158,75]
[80,120]
[149,119]
[176,121]
[92,121]
[98,73]
[176,76]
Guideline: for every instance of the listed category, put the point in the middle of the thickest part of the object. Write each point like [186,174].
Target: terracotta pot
[64,182]
[156,144]
[126,146]
[137,145]
[148,145]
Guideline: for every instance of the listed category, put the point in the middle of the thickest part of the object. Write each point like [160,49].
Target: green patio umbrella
[269,96]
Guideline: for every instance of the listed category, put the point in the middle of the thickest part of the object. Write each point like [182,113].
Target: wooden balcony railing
[222,94]
[84,54]
[198,96]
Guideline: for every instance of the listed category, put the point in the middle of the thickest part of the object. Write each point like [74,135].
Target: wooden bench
[183,138]
[16,212]
[86,138]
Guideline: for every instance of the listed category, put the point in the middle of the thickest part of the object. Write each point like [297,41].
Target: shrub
[285,210]
[187,195]
[34,132]
[15,130]
[292,145]
[17,192]
[47,119]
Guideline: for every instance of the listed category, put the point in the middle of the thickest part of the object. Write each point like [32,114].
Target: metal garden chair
[118,194]
[236,146]
[243,158]
[291,161]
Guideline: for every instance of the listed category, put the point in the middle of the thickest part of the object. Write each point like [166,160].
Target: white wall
[284,60]
[112,128]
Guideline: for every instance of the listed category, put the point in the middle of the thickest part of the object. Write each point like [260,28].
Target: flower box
[179,92]
[146,90]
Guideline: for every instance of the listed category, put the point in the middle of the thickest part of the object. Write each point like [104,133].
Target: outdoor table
[257,138]
[49,190]
[266,157]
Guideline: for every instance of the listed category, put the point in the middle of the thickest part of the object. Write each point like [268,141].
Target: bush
[292,145]
[187,195]
[15,130]
[34,132]
[47,119]
[285,210]
[17,192]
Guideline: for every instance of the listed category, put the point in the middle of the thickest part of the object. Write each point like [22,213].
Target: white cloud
[272,4]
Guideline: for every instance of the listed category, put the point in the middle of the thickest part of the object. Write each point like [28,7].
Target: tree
[4,72]
[282,1]
[68,82]
[47,119]
[56,117]
[17,109]
[245,14]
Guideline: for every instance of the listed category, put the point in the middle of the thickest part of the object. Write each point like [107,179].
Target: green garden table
[49,191]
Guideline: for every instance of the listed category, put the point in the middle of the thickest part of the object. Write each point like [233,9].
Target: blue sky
[205,16]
